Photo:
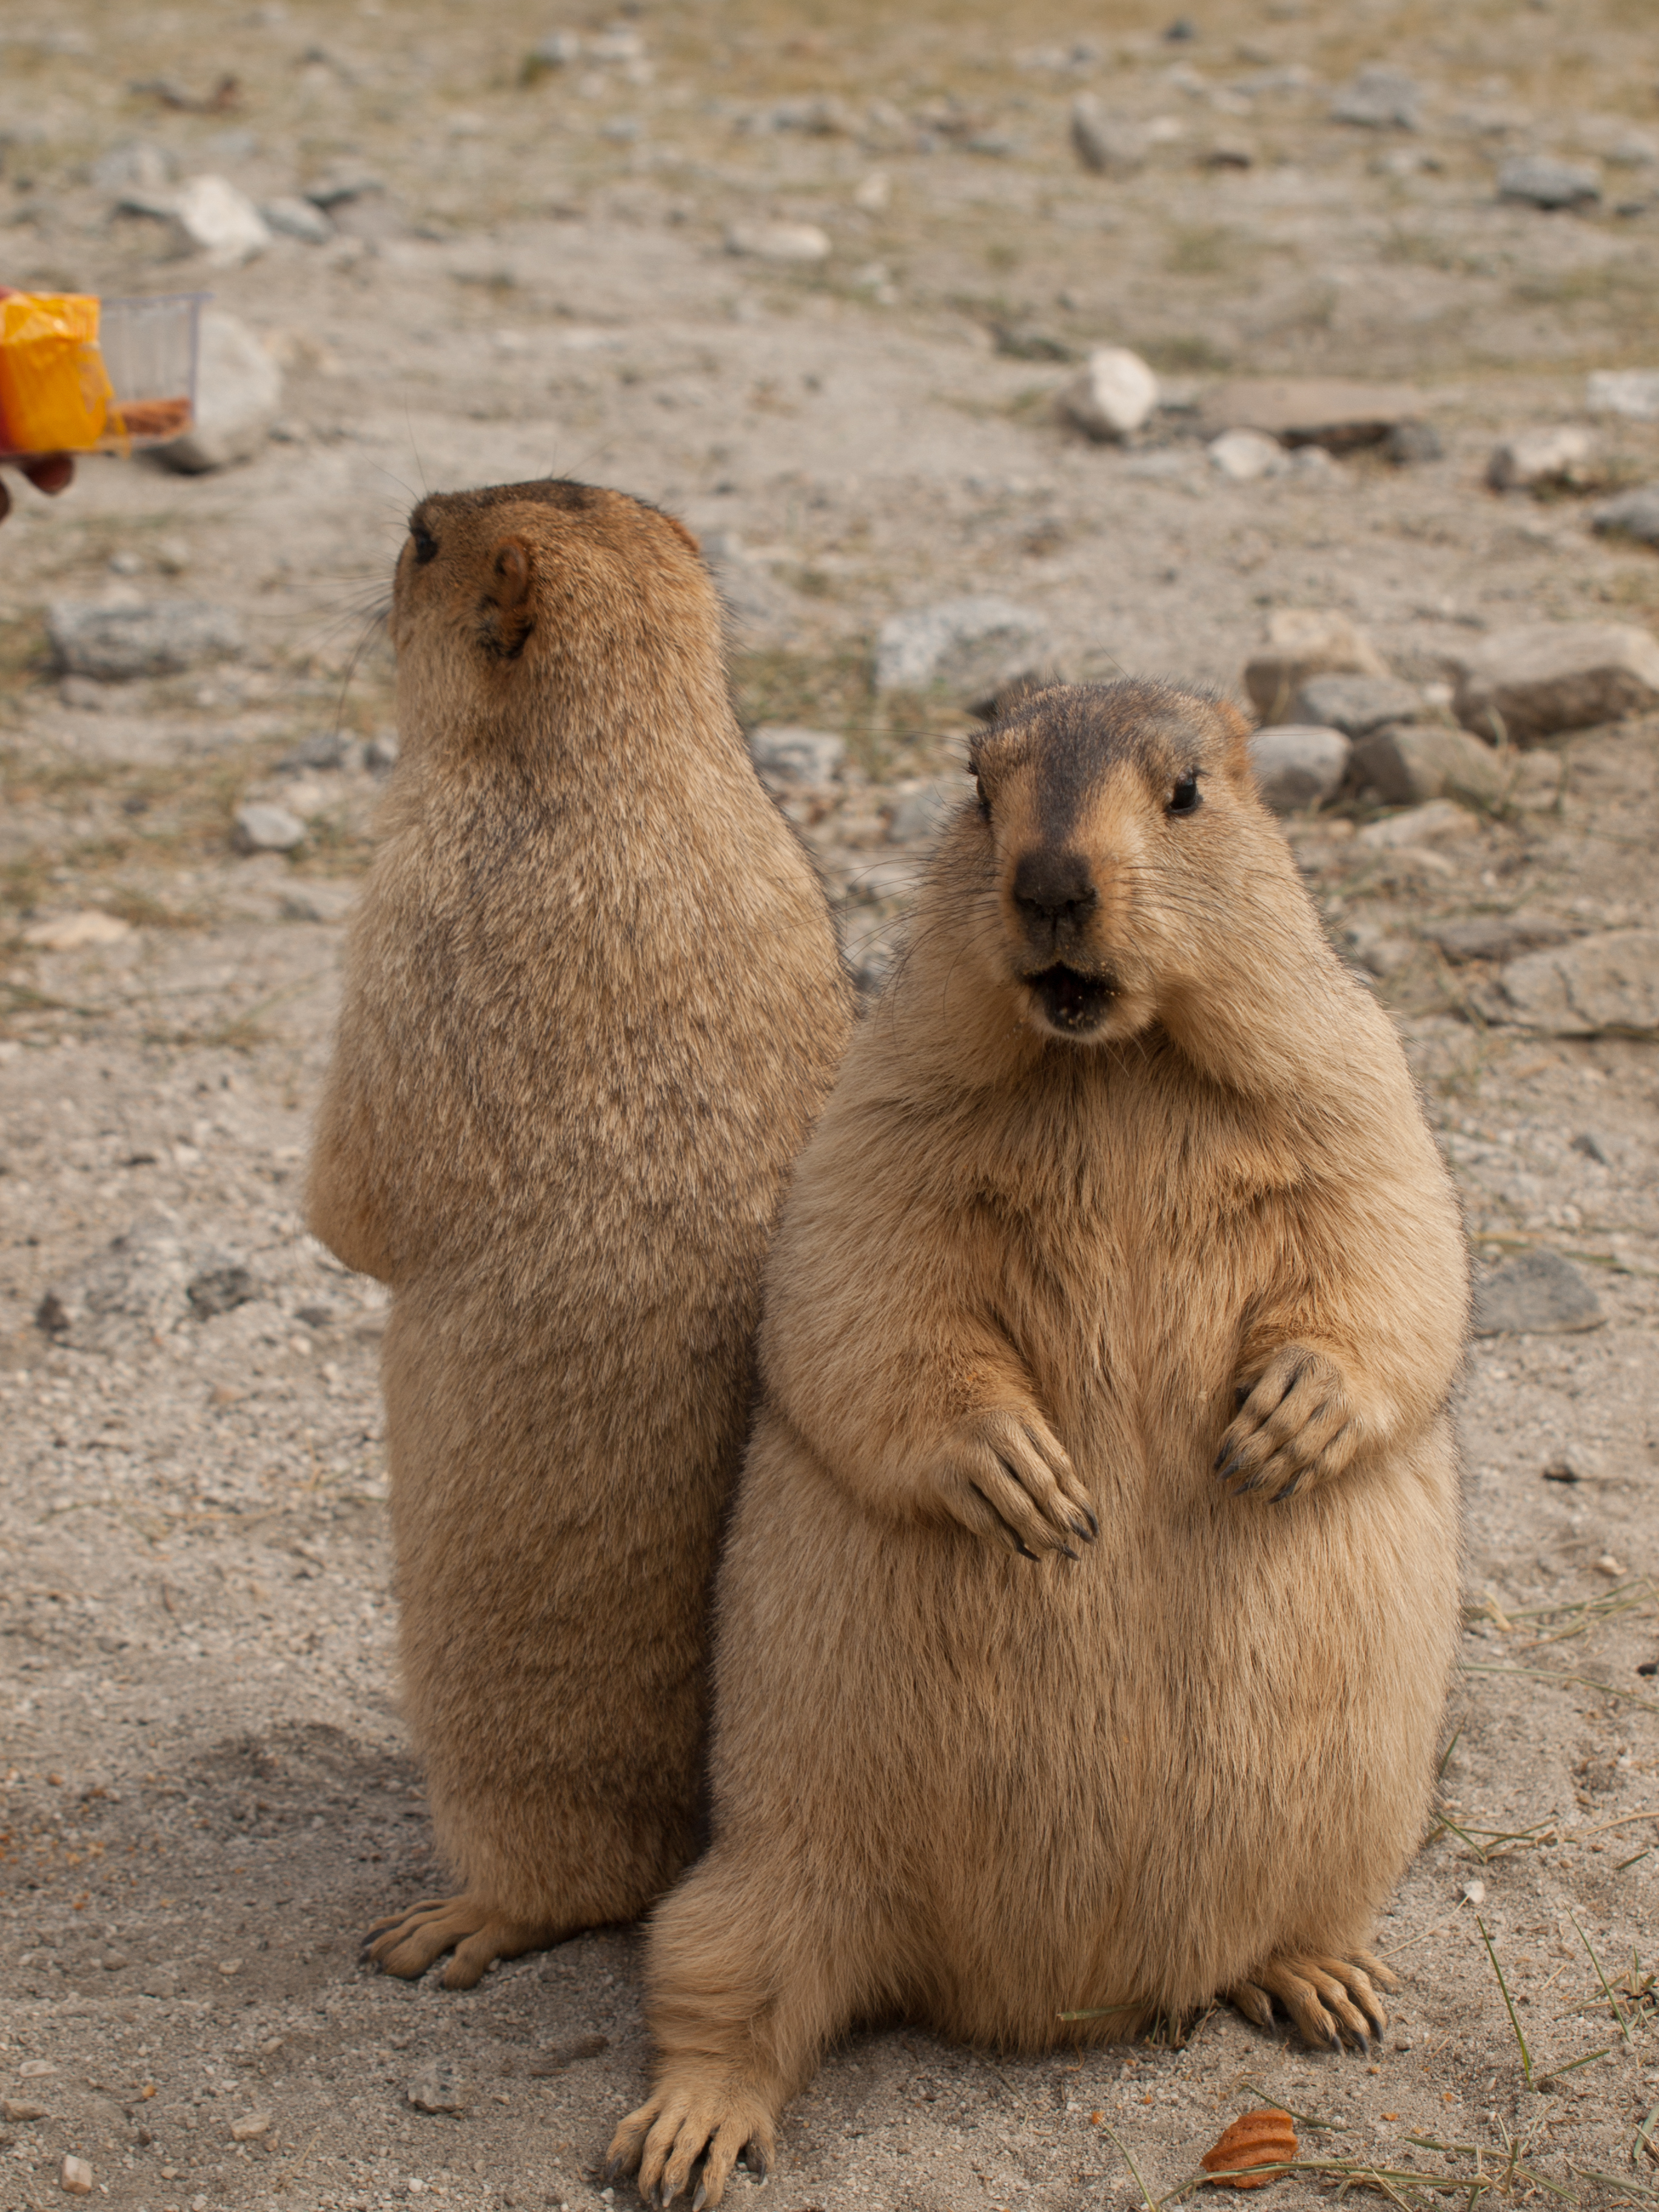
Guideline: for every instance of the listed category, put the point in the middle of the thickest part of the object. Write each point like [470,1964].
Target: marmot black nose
[1054,887]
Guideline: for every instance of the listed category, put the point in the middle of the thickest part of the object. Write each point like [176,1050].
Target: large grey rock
[1548,455]
[1380,99]
[1301,642]
[1630,392]
[1356,704]
[1110,145]
[1496,936]
[1519,685]
[260,827]
[1541,180]
[1296,767]
[787,758]
[1602,986]
[968,647]
[1407,764]
[1632,515]
[1538,1294]
[239,390]
[157,639]
[1329,411]
[1113,395]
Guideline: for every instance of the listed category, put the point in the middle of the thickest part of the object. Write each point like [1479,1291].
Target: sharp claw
[701,2198]
[756,2160]
[613,2170]
[1085,1529]
[1024,1548]
[1232,1466]
[1335,2041]
[1066,1552]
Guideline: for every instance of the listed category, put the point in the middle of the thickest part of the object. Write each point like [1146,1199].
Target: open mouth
[1074,1002]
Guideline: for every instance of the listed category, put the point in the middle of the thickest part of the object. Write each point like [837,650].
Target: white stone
[238,392]
[219,220]
[261,827]
[1631,391]
[1301,642]
[968,647]
[1243,455]
[1518,685]
[1419,825]
[251,2127]
[787,756]
[70,933]
[296,218]
[1298,765]
[1107,144]
[1115,394]
[802,242]
[74,2176]
[1537,457]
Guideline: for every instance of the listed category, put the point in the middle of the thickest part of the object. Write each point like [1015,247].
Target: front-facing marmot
[1086,1622]
[592,1003]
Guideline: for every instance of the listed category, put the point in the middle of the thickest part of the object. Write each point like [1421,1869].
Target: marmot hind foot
[1330,2001]
[700,2118]
[405,1943]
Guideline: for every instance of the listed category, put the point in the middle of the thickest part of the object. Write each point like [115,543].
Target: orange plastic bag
[55,393]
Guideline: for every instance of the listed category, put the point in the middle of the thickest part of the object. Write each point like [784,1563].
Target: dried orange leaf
[1255,2139]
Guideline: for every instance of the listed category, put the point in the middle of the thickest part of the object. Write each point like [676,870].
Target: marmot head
[553,589]
[1123,861]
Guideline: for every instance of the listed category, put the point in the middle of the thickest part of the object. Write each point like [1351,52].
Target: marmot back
[592,1005]
[1091,1592]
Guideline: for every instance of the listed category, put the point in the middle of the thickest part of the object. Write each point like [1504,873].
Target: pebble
[1630,392]
[1113,395]
[239,391]
[251,2127]
[380,753]
[1476,1892]
[1545,456]
[792,758]
[1519,685]
[1380,99]
[219,220]
[260,827]
[1330,411]
[19,2111]
[1407,763]
[292,217]
[1303,642]
[1356,704]
[155,638]
[1109,145]
[1606,984]
[1418,825]
[1539,1293]
[1632,515]
[74,2176]
[1242,456]
[134,165]
[1410,443]
[968,647]
[802,242]
[1541,180]
[1297,766]
[72,933]
[435,2091]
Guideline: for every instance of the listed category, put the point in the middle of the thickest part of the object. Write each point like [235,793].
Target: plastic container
[81,375]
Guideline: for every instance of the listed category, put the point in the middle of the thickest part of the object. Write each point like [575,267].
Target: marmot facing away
[592,1003]
[1086,1622]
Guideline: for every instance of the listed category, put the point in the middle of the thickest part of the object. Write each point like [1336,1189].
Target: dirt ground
[207,1790]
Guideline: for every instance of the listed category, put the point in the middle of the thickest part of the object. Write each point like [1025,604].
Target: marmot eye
[1184,800]
[983,797]
[425,545]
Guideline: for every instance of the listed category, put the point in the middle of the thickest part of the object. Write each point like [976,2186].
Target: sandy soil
[208,1792]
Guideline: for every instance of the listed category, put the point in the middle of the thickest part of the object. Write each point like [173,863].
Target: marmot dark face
[1112,820]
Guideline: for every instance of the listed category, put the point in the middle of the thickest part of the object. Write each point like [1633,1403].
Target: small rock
[340,187]
[318,902]
[1611,1568]
[557,50]
[1539,457]
[1242,456]
[1419,825]
[1355,704]
[251,2127]
[1304,641]
[36,2069]
[19,2110]
[1541,1293]
[787,757]
[217,1291]
[1380,99]
[966,647]
[158,638]
[292,217]
[1110,145]
[1328,411]
[1633,393]
[1541,180]
[1632,515]
[1476,1892]
[229,1966]
[923,812]
[1588,1147]
[1375,951]
[239,390]
[70,933]
[1519,685]
[1113,395]
[1405,763]
[435,2091]
[802,242]
[1411,443]
[1496,936]
[1600,985]
[1297,766]
[1575,1462]
[74,2176]
[134,165]
[323,748]
[115,1962]
[380,753]
[558,2057]
[261,827]
[219,220]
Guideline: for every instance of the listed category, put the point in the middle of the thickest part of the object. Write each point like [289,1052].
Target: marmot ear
[507,607]
[1236,741]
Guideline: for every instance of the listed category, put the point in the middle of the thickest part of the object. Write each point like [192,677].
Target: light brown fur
[1058,1251]
[592,1003]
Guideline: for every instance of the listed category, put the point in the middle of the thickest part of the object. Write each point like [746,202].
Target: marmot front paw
[1007,1476]
[686,2139]
[1294,1427]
